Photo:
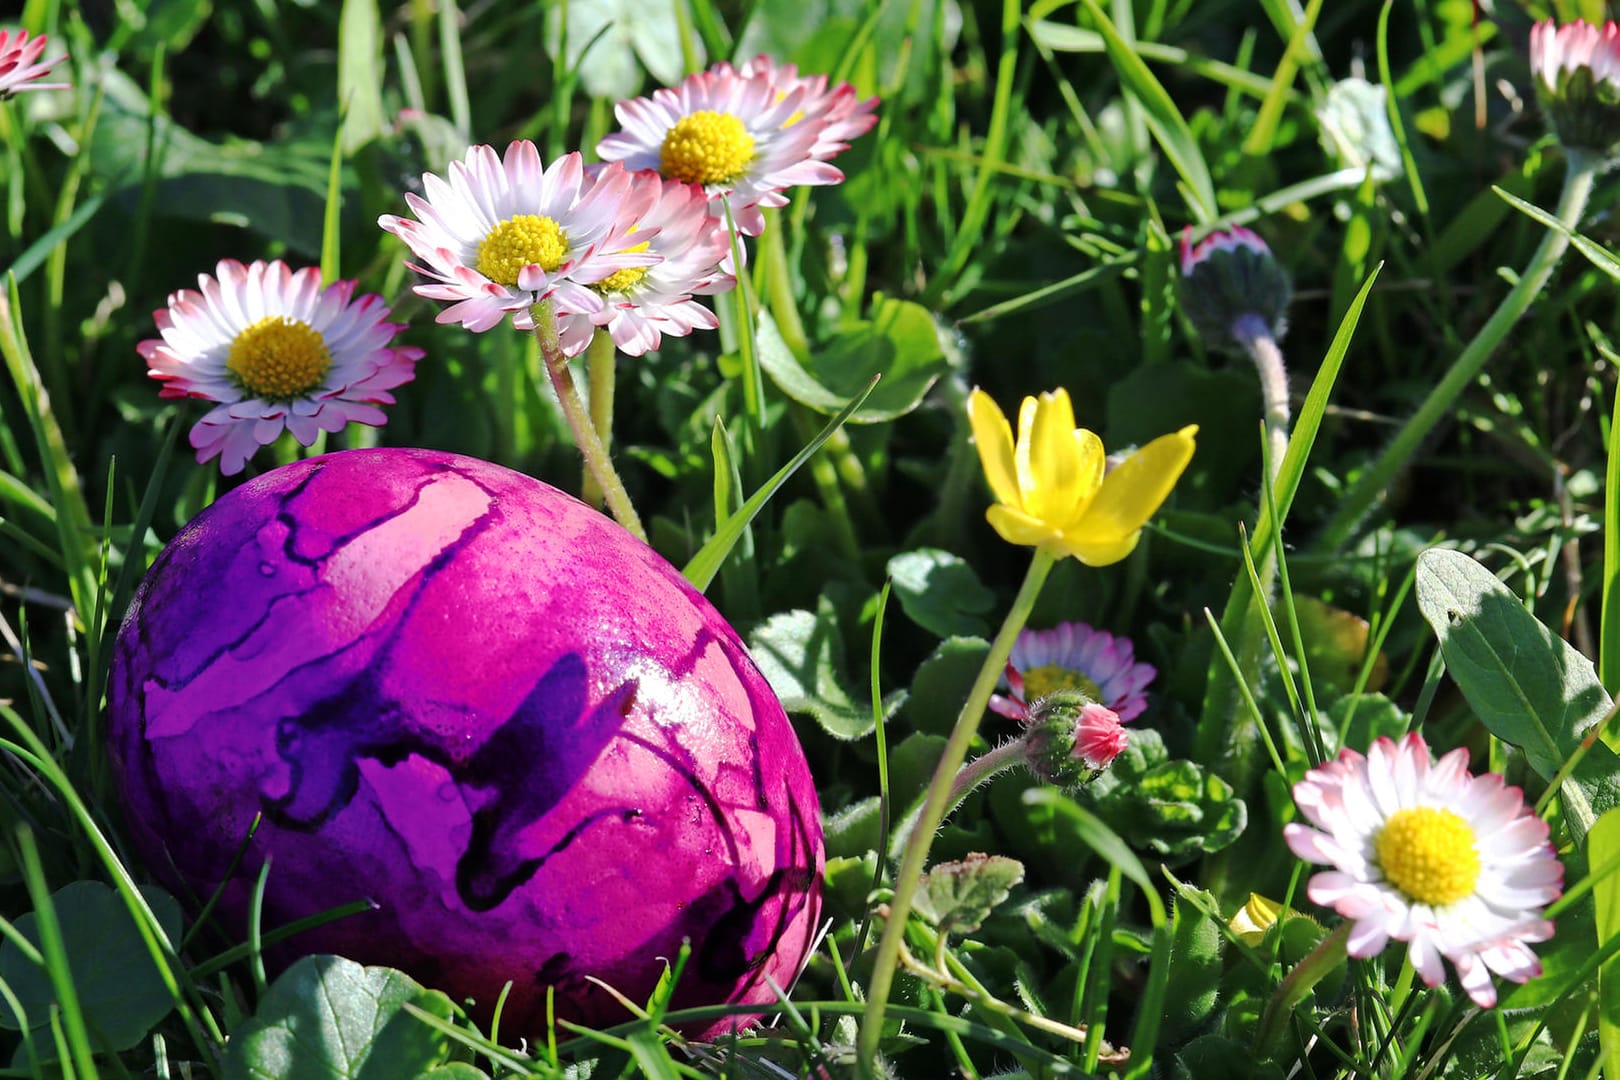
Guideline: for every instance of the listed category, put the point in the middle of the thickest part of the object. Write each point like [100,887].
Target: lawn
[803,539]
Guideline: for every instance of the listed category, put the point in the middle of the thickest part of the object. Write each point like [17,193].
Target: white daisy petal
[277,352]
[1455,866]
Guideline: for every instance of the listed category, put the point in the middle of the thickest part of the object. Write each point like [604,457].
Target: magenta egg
[462,695]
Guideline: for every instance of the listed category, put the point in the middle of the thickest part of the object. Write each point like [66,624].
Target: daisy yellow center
[524,240]
[1049,678]
[620,280]
[279,359]
[1429,854]
[706,147]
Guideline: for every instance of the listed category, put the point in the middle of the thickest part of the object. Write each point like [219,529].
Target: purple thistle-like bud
[1231,276]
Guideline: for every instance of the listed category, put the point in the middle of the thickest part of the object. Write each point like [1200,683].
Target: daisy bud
[1069,739]
[1228,278]
[1577,75]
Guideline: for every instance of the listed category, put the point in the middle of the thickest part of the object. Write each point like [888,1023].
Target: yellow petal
[1017,527]
[1093,463]
[1133,491]
[1054,460]
[993,437]
[1099,552]
[1025,447]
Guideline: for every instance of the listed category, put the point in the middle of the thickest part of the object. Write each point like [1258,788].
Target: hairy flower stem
[1253,335]
[935,805]
[1581,172]
[601,358]
[579,422]
[968,780]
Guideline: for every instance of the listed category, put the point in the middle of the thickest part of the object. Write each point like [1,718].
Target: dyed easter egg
[463,696]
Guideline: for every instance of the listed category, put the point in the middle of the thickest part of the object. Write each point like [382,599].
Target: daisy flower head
[503,233]
[1576,69]
[277,352]
[20,66]
[1455,865]
[742,135]
[1073,656]
[640,304]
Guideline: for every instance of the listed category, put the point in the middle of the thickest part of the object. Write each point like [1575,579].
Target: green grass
[1011,223]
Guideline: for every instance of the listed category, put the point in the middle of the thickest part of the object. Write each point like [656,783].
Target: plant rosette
[455,692]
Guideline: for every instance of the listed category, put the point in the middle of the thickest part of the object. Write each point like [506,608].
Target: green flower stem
[1253,334]
[968,780]
[935,805]
[1327,956]
[779,288]
[601,360]
[1581,172]
[579,421]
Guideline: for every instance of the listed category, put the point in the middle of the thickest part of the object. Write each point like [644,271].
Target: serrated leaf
[899,342]
[802,656]
[327,1018]
[958,896]
[940,592]
[1175,808]
[1527,685]
[120,989]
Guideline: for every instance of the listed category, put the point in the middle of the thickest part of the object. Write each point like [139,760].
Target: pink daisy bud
[1577,75]
[1230,277]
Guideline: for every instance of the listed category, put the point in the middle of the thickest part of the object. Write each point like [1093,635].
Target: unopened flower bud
[1576,70]
[1069,739]
[1231,276]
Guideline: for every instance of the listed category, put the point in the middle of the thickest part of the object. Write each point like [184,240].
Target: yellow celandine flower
[1051,489]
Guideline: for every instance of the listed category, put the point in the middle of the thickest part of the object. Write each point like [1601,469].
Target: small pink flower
[1232,287]
[1073,656]
[18,66]
[1099,736]
[1454,865]
[1576,68]
[1231,238]
[641,304]
[743,135]
[505,232]
[277,352]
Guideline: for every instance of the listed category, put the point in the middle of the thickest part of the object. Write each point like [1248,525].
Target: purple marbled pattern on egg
[463,695]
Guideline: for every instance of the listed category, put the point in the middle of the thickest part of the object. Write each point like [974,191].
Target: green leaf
[456,1070]
[802,655]
[899,342]
[1528,686]
[1164,120]
[1215,1057]
[706,563]
[609,41]
[958,896]
[1196,944]
[942,683]
[360,73]
[1598,255]
[1177,809]
[327,1018]
[120,990]
[1603,848]
[940,592]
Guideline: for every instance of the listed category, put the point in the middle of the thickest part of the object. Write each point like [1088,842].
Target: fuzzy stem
[1579,176]
[1254,336]
[601,358]
[935,805]
[579,421]
[981,769]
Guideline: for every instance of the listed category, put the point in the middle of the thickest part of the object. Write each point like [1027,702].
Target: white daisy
[18,63]
[742,136]
[641,304]
[1453,864]
[504,233]
[277,351]
[844,116]
[1577,74]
